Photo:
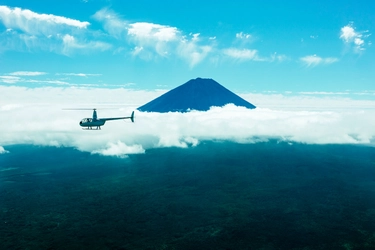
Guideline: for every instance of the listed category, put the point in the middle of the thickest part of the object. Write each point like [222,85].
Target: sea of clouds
[36,116]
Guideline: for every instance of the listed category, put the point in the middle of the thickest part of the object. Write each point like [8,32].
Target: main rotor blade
[79,109]
[87,108]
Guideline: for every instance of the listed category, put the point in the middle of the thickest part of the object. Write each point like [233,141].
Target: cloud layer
[35,116]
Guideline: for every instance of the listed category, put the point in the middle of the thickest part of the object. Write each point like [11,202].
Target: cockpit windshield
[85,120]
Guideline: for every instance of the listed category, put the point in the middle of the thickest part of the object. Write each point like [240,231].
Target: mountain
[196,94]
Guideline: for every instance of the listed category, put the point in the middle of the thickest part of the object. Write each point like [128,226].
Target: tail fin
[132,117]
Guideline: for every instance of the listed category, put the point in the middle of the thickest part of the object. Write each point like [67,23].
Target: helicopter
[89,123]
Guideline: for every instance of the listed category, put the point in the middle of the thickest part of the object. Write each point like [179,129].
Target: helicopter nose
[80,123]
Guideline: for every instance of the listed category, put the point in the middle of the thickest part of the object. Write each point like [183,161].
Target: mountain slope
[196,94]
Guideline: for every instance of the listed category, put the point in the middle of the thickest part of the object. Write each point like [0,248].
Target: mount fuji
[197,94]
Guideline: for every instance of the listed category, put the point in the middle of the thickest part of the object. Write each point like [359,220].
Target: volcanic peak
[196,94]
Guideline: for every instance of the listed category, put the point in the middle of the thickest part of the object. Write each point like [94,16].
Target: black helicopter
[89,123]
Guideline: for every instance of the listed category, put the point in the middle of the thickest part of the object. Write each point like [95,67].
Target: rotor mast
[94,115]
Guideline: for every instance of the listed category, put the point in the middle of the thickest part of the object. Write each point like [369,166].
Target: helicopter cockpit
[86,120]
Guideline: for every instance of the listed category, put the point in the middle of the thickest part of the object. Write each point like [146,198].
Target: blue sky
[247,46]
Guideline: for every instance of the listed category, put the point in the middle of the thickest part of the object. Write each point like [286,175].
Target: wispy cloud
[155,40]
[242,39]
[167,41]
[78,74]
[113,24]
[159,38]
[142,34]
[278,58]
[30,31]
[354,38]
[27,73]
[242,54]
[10,79]
[24,77]
[243,36]
[150,32]
[191,51]
[34,23]
[72,45]
[323,93]
[19,76]
[54,82]
[314,60]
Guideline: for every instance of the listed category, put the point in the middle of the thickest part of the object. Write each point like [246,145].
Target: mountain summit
[196,94]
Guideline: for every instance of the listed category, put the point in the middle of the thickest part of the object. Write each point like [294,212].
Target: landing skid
[90,128]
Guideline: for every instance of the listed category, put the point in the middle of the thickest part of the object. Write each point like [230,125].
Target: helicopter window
[86,120]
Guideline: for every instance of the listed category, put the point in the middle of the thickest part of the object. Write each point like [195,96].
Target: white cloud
[142,33]
[242,35]
[278,57]
[242,54]
[243,39]
[120,149]
[314,60]
[314,120]
[10,79]
[34,23]
[348,34]
[192,52]
[8,107]
[71,45]
[15,77]
[159,38]
[252,55]
[78,74]
[150,32]
[153,40]
[30,31]
[353,38]
[113,24]
[195,37]
[312,101]
[27,73]
[3,151]
[57,82]
[359,42]
[137,50]
[323,93]
[166,41]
